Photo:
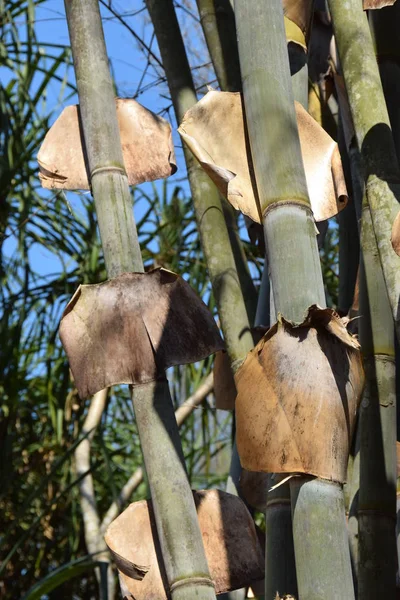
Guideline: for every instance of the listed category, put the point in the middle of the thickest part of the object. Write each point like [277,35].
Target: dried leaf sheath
[230,541]
[373,4]
[146,140]
[298,393]
[214,131]
[298,19]
[131,328]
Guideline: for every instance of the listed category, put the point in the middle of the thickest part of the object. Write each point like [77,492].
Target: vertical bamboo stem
[207,204]
[216,244]
[183,554]
[295,270]
[374,136]
[218,22]
[377,563]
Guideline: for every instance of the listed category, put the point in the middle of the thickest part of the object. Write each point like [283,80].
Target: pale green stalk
[280,567]
[175,513]
[206,200]
[323,570]
[218,22]
[374,136]
[216,243]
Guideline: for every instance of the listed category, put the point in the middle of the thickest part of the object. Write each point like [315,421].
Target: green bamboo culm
[280,567]
[377,564]
[218,23]
[183,555]
[323,570]
[373,133]
[226,275]
[375,555]
[277,159]
[207,204]
[219,28]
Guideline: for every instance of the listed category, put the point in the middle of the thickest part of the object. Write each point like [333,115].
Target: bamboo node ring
[190,581]
[119,170]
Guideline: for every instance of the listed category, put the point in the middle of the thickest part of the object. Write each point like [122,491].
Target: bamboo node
[192,581]
[118,170]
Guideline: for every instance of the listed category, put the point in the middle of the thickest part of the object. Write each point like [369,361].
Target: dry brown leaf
[130,328]
[146,140]
[298,394]
[300,12]
[372,4]
[213,129]
[233,552]
[395,237]
[224,383]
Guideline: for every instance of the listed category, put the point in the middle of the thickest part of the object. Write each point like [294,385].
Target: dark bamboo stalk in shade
[376,499]
[373,133]
[385,26]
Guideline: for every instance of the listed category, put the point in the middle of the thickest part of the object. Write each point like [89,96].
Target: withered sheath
[182,547]
[294,267]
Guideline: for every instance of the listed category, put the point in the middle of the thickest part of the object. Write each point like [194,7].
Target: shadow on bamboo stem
[377,496]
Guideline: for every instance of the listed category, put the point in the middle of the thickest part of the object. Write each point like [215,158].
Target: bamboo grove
[239,310]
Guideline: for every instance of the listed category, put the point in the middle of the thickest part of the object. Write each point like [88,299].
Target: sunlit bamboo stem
[183,554]
[317,506]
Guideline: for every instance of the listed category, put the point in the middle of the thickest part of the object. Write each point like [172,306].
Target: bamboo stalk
[91,519]
[183,554]
[216,244]
[377,564]
[207,204]
[349,244]
[218,22]
[295,270]
[280,567]
[374,136]
[181,414]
